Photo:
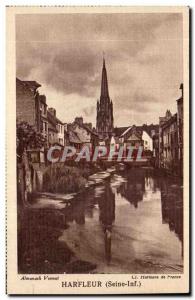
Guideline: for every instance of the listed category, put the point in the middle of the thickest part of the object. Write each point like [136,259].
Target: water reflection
[107,217]
[147,194]
[134,188]
[172,209]
[142,185]
[131,222]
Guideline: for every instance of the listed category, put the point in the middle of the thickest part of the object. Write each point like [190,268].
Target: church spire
[104,65]
[104,83]
[104,120]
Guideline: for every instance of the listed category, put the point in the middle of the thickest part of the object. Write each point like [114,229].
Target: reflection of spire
[134,189]
[108,245]
[76,212]
[107,217]
[107,208]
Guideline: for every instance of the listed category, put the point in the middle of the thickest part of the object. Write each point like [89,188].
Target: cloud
[64,53]
[87,112]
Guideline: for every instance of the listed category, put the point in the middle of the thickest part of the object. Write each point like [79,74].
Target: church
[104,120]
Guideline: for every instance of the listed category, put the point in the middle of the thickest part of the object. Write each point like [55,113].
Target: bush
[64,179]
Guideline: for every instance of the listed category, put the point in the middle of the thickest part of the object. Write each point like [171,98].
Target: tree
[28,138]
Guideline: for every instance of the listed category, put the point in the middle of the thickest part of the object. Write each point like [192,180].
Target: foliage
[63,179]
[28,138]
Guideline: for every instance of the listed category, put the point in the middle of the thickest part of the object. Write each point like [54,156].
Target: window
[61,141]
[59,128]
[44,126]
[42,109]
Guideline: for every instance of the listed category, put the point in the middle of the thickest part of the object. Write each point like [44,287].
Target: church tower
[104,120]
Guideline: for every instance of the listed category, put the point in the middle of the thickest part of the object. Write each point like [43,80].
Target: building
[27,104]
[162,121]
[151,129]
[169,159]
[147,141]
[132,137]
[148,132]
[104,120]
[171,139]
[55,128]
[155,139]
[180,129]
[31,107]
[43,116]
[81,134]
[52,128]
[127,137]
[136,136]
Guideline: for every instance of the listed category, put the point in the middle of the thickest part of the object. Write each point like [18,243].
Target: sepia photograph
[100,110]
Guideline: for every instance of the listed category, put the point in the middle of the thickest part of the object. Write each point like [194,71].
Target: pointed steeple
[104,65]
[104,120]
[104,83]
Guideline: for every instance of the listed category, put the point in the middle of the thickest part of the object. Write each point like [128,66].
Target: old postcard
[97,150]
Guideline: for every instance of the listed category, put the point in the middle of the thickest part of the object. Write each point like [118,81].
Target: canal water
[131,222]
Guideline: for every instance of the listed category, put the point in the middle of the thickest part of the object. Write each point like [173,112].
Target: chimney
[42,98]
[52,111]
[79,120]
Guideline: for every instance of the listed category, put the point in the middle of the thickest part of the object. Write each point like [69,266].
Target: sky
[143,54]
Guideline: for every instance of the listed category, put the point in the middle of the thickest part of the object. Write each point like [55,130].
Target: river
[131,222]
[128,221]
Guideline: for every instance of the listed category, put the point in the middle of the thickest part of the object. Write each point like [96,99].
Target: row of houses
[162,142]
[168,143]
[135,136]
[32,108]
